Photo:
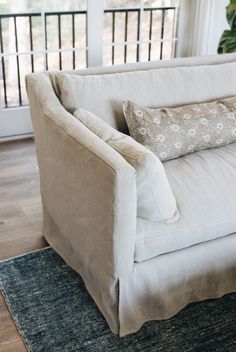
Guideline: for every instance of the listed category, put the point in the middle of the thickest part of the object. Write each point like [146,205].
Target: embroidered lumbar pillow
[173,132]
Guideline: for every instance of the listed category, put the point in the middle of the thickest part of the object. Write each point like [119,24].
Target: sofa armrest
[88,188]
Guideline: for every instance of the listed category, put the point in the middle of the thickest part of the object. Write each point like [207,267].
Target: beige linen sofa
[136,269]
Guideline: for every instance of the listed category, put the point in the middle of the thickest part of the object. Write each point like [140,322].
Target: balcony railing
[148,12]
[40,32]
[58,40]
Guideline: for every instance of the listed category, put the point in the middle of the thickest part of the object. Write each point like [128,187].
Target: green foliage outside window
[227,42]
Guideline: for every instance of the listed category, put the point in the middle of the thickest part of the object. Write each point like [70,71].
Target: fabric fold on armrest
[155,199]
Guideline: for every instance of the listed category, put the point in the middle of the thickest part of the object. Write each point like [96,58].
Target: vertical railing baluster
[113,37]
[31,43]
[138,34]
[126,36]
[162,33]
[3,66]
[150,35]
[17,63]
[59,40]
[73,40]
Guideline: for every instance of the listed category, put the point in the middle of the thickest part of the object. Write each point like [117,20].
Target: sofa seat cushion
[204,184]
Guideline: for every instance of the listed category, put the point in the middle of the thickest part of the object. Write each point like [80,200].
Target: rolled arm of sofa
[88,189]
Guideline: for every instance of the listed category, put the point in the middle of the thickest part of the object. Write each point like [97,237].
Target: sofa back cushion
[155,200]
[163,87]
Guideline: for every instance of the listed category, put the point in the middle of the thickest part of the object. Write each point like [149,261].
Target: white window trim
[95,10]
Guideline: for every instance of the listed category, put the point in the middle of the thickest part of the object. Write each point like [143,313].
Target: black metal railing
[14,17]
[32,52]
[59,16]
[163,11]
[49,33]
[126,12]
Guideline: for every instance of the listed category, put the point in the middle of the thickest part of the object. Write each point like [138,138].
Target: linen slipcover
[154,88]
[155,200]
[204,184]
[89,202]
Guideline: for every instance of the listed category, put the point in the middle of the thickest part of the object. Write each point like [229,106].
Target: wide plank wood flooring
[20,220]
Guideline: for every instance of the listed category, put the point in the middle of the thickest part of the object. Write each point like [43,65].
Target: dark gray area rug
[54,312]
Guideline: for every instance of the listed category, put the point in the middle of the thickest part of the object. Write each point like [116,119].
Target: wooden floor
[20,220]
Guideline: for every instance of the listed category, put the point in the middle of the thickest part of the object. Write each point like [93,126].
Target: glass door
[63,35]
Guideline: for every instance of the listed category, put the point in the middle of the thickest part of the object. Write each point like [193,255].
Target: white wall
[218,24]
[201,23]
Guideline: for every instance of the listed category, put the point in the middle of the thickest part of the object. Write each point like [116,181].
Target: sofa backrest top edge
[140,66]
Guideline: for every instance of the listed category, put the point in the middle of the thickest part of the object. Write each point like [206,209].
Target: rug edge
[8,304]
[15,319]
[24,254]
